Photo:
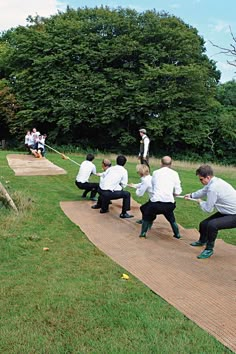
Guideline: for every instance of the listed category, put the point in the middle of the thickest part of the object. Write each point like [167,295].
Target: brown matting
[28,165]
[203,290]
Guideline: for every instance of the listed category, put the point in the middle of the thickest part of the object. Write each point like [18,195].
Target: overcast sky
[212,18]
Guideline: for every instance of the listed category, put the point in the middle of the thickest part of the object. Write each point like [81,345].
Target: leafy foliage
[95,76]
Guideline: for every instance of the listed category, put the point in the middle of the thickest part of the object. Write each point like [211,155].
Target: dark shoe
[142,235]
[126,216]
[95,206]
[175,229]
[93,198]
[102,211]
[139,222]
[205,254]
[177,236]
[197,244]
[145,227]
[84,195]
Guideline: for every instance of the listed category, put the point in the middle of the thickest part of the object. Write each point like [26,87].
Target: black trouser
[209,227]
[151,209]
[106,195]
[144,161]
[88,187]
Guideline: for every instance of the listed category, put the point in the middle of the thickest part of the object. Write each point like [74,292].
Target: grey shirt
[220,195]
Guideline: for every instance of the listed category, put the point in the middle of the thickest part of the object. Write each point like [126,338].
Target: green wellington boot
[197,244]
[205,254]
[145,228]
[175,229]
[208,251]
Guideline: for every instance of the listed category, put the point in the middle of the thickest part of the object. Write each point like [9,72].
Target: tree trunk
[8,198]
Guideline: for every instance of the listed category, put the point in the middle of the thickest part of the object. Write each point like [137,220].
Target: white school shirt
[220,195]
[35,136]
[27,139]
[165,183]
[31,139]
[41,143]
[86,169]
[115,179]
[144,186]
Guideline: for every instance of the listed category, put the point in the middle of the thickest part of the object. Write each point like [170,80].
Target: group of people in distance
[161,188]
[35,143]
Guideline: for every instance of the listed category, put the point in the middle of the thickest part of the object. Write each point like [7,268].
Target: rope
[62,155]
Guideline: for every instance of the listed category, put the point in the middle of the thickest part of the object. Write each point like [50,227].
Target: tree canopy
[93,77]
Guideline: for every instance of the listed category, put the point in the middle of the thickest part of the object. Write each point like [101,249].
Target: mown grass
[72,299]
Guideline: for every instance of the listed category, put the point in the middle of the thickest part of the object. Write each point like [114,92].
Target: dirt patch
[27,165]
[203,290]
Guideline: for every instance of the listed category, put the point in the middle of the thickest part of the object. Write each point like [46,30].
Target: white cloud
[175,6]
[14,12]
[220,26]
[228,72]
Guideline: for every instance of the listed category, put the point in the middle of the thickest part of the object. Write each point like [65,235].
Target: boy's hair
[121,160]
[90,157]
[143,170]
[204,171]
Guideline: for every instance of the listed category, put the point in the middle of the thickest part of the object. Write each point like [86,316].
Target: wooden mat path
[203,290]
[28,165]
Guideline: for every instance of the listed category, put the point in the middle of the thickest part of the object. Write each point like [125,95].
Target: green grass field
[72,299]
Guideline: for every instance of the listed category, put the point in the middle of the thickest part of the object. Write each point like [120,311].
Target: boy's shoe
[197,244]
[93,198]
[205,254]
[142,235]
[95,206]
[139,222]
[177,236]
[126,216]
[102,211]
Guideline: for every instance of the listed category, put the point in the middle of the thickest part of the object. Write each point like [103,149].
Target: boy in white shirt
[111,187]
[87,169]
[165,186]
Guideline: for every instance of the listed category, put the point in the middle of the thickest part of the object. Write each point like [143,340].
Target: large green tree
[224,132]
[94,76]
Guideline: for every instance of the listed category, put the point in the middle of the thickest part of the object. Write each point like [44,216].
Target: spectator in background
[144,147]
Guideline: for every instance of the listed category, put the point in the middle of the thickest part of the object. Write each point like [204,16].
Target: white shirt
[27,139]
[35,136]
[115,178]
[146,142]
[220,195]
[165,183]
[86,169]
[41,143]
[31,140]
[144,186]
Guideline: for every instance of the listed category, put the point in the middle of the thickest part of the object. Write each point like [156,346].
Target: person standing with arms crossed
[221,196]
[144,147]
